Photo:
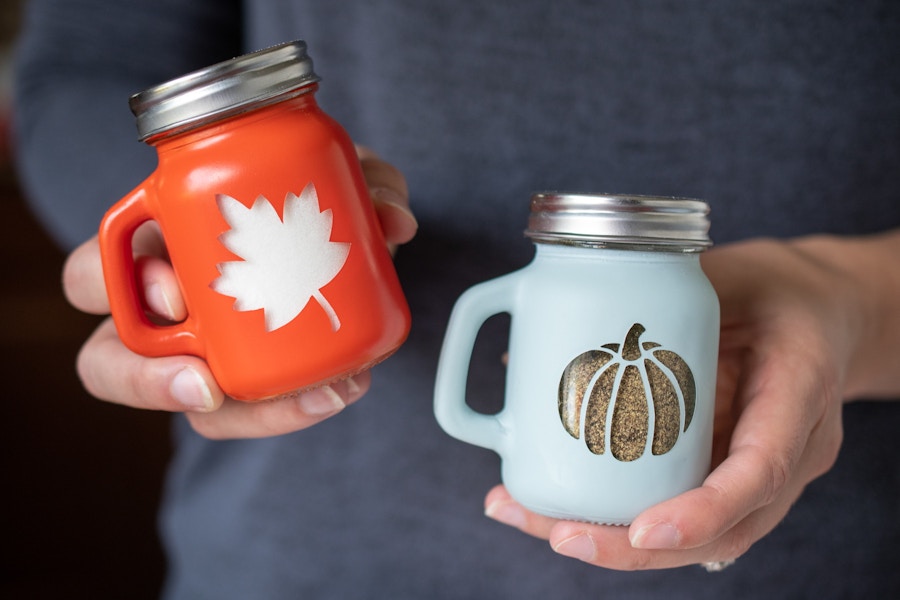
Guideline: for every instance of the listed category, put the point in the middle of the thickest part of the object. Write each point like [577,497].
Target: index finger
[82,276]
[390,196]
[82,279]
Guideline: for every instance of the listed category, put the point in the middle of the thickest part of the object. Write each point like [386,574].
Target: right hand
[807,324]
[112,372]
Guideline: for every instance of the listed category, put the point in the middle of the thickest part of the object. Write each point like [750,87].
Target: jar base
[567,516]
[342,377]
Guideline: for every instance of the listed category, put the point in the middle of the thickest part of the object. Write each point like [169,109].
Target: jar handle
[135,329]
[472,309]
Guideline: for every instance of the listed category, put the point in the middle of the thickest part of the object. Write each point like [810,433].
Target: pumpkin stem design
[631,348]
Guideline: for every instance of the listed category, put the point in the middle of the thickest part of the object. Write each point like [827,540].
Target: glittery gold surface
[629,398]
[573,387]
[667,413]
[685,381]
[631,415]
[598,406]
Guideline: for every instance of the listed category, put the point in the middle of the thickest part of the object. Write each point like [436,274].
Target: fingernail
[506,512]
[352,389]
[656,536]
[389,197]
[580,546]
[321,401]
[158,301]
[190,389]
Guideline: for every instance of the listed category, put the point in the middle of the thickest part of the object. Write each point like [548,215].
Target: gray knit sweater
[784,116]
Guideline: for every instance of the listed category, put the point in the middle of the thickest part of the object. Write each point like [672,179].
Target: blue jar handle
[475,306]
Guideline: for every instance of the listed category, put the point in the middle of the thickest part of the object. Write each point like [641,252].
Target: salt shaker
[267,220]
[610,383]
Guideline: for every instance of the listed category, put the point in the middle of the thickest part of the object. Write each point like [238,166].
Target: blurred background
[82,478]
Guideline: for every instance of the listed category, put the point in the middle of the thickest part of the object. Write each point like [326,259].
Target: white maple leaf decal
[285,263]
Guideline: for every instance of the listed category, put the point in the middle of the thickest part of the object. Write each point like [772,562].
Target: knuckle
[81,279]
[73,282]
[279,416]
[611,556]
[737,543]
[773,471]
[364,152]
[380,173]
[142,384]
[84,368]
[274,422]
[204,426]
[778,471]
[638,561]
[70,280]
[828,448]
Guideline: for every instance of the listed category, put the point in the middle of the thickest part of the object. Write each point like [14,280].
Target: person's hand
[800,333]
[112,372]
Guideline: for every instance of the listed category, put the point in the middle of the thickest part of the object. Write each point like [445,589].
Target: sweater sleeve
[77,63]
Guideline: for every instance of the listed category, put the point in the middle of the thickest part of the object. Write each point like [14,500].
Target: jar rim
[224,89]
[635,221]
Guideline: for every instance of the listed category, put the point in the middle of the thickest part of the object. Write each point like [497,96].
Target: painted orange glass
[353,321]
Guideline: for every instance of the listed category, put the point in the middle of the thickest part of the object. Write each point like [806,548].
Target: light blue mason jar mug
[610,383]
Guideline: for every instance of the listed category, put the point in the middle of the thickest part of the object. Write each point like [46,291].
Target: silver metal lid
[223,90]
[606,220]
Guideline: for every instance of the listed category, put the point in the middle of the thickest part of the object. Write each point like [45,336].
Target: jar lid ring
[662,223]
[224,89]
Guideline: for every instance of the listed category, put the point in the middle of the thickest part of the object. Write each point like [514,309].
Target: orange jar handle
[134,327]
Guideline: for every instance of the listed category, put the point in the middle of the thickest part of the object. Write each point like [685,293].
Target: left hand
[112,372]
[793,321]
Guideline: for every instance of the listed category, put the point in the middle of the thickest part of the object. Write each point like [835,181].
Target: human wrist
[866,284]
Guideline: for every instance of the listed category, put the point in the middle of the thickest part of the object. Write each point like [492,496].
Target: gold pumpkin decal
[649,376]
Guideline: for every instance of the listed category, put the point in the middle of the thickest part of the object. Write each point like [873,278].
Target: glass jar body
[277,249]
[610,382]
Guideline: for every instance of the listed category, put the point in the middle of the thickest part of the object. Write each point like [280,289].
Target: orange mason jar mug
[268,224]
